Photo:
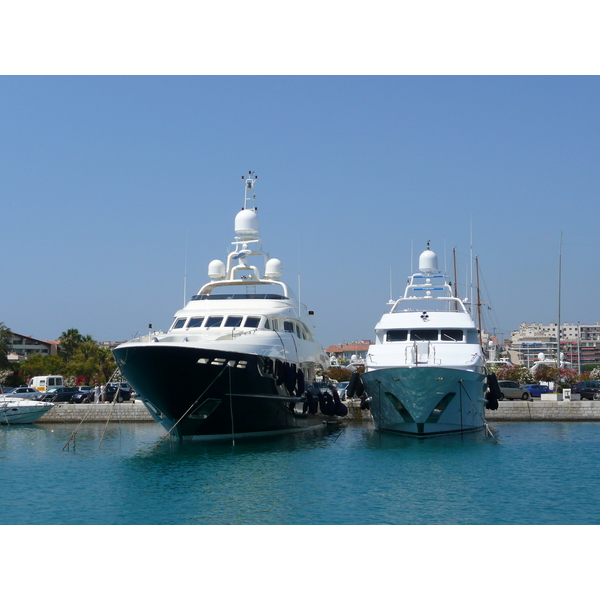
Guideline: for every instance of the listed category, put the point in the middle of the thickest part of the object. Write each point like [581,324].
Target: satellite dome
[246,223]
[273,269]
[428,262]
[216,270]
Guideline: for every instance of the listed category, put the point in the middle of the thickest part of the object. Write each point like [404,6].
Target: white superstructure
[425,374]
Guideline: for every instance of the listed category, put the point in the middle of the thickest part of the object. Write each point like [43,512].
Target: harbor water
[540,473]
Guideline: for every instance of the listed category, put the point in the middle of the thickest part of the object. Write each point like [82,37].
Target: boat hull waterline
[426,401]
[197,392]
[23,412]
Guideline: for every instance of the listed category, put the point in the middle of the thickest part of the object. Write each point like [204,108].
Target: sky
[117,190]
[374,128]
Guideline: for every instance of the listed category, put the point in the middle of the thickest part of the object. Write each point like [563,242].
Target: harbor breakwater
[517,410]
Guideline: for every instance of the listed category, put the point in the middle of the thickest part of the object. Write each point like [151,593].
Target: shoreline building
[343,353]
[23,346]
[580,343]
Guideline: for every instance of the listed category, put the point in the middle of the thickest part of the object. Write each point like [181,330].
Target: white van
[44,382]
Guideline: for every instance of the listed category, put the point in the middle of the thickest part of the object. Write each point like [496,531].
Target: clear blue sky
[107,180]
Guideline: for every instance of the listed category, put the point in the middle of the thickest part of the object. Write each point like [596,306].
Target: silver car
[511,390]
[21,392]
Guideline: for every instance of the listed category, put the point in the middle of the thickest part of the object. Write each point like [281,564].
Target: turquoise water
[528,473]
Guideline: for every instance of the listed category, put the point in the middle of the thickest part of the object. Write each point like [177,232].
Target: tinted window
[213,321]
[455,335]
[420,335]
[196,322]
[233,321]
[179,323]
[397,335]
[288,326]
[252,322]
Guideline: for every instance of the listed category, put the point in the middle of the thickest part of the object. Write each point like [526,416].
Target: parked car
[341,388]
[83,396]
[537,389]
[59,394]
[110,392]
[20,392]
[512,390]
[587,390]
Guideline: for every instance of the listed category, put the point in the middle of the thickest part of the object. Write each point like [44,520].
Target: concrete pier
[517,410]
[74,413]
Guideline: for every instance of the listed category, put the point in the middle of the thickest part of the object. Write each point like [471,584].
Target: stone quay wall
[520,410]
[517,410]
[545,410]
[74,413]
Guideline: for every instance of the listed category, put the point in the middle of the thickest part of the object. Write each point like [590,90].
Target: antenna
[558,324]
[185,268]
[471,259]
[249,195]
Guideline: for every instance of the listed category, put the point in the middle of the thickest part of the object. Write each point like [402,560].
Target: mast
[455,284]
[478,302]
[558,324]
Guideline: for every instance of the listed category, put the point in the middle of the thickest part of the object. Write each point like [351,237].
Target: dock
[517,410]
[93,413]
[521,410]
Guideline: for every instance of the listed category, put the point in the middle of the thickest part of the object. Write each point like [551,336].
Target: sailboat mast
[478,302]
[455,284]
[558,324]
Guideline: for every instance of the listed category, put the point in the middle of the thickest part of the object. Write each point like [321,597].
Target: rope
[192,405]
[462,387]
[231,410]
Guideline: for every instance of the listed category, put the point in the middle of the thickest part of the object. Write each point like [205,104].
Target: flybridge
[247,243]
[433,286]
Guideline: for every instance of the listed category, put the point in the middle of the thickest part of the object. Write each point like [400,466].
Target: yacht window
[179,323]
[196,322]
[452,335]
[298,331]
[396,335]
[267,323]
[421,335]
[213,321]
[252,322]
[288,326]
[233,321]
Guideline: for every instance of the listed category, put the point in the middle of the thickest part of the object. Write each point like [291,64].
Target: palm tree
[69,341]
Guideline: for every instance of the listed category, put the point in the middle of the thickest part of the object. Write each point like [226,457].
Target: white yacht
[425,375]
[22,410]
[240,357]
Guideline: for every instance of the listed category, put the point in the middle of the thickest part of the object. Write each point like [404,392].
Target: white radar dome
[428,262]
[216,270]
[541,356]
[246,223]
[273,269]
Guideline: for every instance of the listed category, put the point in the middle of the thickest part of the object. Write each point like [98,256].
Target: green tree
[69,342]
[90,362]
[5,346]
[38,364]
